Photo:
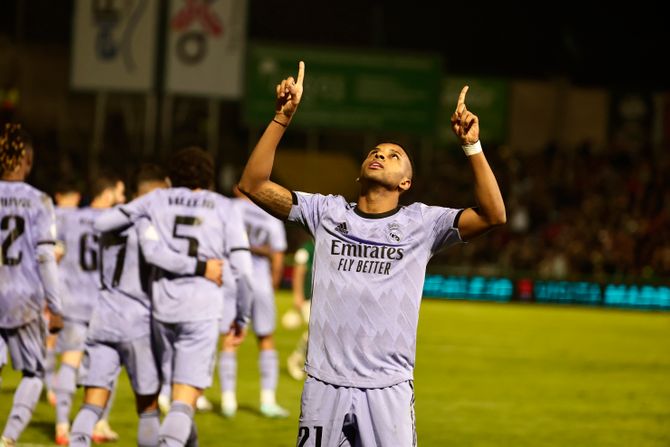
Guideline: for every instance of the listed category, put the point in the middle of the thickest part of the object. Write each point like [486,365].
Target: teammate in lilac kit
[67,197]
[28,275]
[226,327]
[369,268]
[81,291]
[267,239]
[120,330]
[202,224]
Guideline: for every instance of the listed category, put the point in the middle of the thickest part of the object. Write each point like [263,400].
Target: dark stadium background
[593,43]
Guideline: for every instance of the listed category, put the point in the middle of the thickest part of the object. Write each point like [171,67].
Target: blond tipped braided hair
[12,147]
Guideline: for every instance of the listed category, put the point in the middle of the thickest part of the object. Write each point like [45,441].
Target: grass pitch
[486,375]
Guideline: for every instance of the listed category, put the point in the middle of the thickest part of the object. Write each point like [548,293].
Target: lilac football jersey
[368,276]
[124,310]
[200,224]
[79,265]
[27,238]
[262,229]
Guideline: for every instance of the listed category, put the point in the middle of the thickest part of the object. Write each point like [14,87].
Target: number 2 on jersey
[17,230]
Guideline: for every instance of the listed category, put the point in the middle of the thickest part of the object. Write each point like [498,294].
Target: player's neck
[377,199]
[100,202]
[16,176]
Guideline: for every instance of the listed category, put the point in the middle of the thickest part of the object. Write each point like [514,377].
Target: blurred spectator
[574,214]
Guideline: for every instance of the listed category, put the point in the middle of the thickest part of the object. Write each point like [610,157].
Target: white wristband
[472,149]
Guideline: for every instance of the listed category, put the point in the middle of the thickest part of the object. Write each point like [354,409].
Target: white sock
[268,397]
[228,399]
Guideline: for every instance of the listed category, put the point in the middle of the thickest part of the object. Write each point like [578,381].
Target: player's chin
[375,175]
[385,179]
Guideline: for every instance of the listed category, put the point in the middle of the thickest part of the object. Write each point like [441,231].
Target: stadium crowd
[573,214]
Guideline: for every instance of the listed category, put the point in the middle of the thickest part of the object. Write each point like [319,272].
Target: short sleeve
[443,222]
[45,221]
[236,235]
[60,224]
[306,210]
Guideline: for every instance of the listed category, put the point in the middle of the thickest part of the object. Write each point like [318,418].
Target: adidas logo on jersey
[342,228]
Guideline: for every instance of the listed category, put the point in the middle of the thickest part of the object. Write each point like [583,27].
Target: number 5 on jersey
[192,242]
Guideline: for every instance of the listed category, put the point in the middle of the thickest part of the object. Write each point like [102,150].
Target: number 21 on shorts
[304,432]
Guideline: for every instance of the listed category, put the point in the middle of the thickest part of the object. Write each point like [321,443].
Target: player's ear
[168,182]
[405,184]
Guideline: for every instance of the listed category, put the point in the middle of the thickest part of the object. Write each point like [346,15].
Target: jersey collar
[376,215]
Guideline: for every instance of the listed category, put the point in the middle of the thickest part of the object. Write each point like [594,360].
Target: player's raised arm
[255,181]
[491,210]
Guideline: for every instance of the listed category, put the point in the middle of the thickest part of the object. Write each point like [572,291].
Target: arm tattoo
[274,201]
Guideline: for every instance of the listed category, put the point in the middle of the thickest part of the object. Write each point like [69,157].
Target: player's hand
[214,271]
[59,251]
[237,334]
[55,323]
[464,123]
[289,93]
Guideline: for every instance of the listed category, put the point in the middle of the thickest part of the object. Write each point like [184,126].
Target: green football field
[486,375]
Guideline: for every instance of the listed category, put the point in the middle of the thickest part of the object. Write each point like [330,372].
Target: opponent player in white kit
[369,267]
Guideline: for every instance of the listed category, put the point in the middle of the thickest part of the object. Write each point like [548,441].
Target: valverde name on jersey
[191,202]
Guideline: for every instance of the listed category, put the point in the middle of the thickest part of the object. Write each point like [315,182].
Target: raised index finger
[301,72]
[461,97]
